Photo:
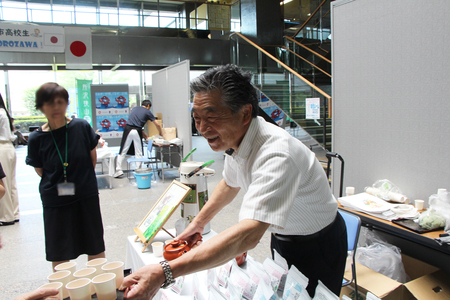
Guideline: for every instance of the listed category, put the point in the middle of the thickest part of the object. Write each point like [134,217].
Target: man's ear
[247,113]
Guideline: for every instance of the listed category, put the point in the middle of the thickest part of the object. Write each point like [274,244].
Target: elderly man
[286,192]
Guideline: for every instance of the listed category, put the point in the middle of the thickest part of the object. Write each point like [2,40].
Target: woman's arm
[2,188]
[39,171]
[94,156]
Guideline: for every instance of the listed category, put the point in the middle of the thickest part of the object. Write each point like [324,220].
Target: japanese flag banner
[78,48]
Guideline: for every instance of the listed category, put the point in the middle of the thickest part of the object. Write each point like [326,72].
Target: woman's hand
[40,294]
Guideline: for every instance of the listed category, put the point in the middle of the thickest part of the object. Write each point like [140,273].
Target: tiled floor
[22,257]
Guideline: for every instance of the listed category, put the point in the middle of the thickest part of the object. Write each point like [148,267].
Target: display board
[110,111]
[161,212]
[171,97]
[390,110]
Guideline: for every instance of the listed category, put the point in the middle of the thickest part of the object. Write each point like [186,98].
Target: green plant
[24,123]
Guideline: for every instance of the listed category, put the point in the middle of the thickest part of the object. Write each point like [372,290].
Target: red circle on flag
[78,48]
[54,39]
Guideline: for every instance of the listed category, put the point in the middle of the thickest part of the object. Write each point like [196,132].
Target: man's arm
[145,282]
[222,195]
[157,126]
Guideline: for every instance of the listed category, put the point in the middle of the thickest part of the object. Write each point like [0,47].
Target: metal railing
[288,90]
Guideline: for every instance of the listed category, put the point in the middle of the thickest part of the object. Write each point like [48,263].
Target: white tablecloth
[107,159]
[136,259]
[105,155]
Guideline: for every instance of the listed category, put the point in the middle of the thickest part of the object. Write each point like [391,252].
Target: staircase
[292,73]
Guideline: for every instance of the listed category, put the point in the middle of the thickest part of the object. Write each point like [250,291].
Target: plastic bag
[388,191]
[431,219]
[441,204]
[381,256]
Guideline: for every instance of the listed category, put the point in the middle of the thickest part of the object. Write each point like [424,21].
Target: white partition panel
[390,103]
[171,97]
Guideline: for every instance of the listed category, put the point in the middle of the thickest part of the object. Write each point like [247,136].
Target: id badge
[66,189]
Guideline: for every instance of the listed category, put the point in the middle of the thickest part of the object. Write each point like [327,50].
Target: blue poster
[112,111]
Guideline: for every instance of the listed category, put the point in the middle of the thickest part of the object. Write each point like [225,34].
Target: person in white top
[286,192]
[9,204]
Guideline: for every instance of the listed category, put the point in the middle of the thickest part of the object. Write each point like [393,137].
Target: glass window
[236,17]
[39,12]
[23,86]
[86,12]
[128,17]
[14,11]
[108,16]
[68,79]
[63,14]
[168,20]
[151,19]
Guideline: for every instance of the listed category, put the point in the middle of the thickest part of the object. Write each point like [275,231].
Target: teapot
[175,249]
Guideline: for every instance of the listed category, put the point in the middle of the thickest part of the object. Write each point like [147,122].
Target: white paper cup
[105,286]
[168,242]
[97,263]
[115,267]
[349,191]
[158,248]
[79,289]
[86,273]
[69,266]
[54,285]
[419,204]
[61,276]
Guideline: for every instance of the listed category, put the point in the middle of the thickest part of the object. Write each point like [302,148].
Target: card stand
[160,213]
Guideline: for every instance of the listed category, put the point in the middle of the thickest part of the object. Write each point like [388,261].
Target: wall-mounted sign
[31,38]
[313,108]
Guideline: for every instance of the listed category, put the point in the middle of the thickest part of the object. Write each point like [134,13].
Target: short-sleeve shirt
[284,183]
[2,173]
[42,153]
[139,116]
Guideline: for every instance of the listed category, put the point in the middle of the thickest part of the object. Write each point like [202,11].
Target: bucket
[143,180]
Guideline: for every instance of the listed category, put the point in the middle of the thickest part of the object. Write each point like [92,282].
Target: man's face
[216,122]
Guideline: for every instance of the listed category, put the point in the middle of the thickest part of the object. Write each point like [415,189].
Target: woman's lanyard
[65,164]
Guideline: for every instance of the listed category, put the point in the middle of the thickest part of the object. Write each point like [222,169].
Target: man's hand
[40,294]
[192,235]
[144,283]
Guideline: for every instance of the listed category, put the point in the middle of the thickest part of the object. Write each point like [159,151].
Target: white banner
[312,108]
[31,38]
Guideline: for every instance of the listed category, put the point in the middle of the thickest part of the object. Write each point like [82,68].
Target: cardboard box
[427,282]
[150,128]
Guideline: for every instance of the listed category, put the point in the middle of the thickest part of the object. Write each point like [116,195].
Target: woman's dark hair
[2,105]
[234,85]
[48,92]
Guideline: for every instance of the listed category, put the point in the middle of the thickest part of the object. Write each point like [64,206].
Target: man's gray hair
[234,85]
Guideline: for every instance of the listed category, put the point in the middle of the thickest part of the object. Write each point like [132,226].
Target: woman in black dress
[63,153]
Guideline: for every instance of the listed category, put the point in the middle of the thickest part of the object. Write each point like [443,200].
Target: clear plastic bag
[441,204]
[386,190]
[381,256]
[431,219]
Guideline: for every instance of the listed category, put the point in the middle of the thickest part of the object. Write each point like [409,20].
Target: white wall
[390,81]
[171,97]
